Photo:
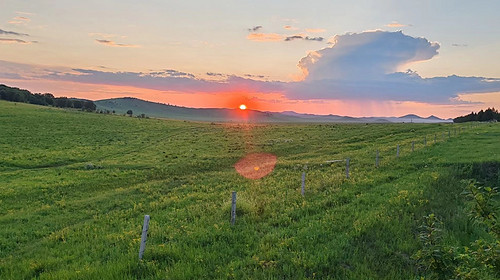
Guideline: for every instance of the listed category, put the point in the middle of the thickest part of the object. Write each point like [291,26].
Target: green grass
[75,186]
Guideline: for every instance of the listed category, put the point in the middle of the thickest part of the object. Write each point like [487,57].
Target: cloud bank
[306,38]
[275,37]
[114,44]
[396,24]
[5,32]
[255,28]
[20,20]
[367,66]
[16,41]
[265,37]
[315,30]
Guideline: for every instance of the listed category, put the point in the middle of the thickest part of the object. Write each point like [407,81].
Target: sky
[356,58]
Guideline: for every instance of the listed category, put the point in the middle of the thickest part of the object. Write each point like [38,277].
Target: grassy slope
[62,219]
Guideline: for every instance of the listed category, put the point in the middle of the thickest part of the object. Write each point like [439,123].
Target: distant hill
[410,116]
[432,117]
[160,110]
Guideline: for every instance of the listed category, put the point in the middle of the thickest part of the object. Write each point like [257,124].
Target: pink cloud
[114,44]
[15,41]
[315,30]
[396,24]
[265,37]
[20,20]
[289,27]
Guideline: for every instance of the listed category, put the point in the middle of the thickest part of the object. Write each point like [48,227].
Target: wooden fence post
[144,236]
[303,190]
[412,146]
[347,167]
[233,208]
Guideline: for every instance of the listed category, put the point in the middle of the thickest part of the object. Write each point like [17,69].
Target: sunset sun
[243,107]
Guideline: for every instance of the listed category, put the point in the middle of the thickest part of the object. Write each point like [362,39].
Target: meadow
[75,186]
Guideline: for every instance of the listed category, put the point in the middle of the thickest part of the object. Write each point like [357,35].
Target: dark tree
[491,114]
[78,104]
[129,112]
[89,106]
[49,99]
[62,102]
[45,99]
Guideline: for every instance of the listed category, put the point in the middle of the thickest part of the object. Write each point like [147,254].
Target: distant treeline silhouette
[45,99]
[482,116]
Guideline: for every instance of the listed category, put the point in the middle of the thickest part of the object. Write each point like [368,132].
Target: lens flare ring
[255,166]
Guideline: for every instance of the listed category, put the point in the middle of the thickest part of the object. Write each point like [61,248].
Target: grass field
[75,186]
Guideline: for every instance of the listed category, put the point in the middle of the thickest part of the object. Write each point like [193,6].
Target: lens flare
[243,107]
[256,166]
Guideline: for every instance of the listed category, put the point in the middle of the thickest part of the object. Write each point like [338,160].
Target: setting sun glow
[243,107]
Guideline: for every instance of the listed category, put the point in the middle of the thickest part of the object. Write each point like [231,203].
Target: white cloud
[367,55]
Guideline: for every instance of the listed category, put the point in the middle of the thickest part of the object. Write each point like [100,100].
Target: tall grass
[74,188]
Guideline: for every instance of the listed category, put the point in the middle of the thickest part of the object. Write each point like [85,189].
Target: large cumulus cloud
[361,66]
[366,56]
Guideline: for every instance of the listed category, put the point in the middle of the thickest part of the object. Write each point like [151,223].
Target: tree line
[482,116]
[45,99]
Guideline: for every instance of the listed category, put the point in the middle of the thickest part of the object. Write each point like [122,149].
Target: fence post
[376,160]
[144,236]
[303,190]
[347,167]
[233,208]
[412,146]
[425,140]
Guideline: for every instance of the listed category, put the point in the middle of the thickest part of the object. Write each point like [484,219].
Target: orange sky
[274,102]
